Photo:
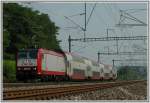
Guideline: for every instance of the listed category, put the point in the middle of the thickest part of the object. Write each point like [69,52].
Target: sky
[105,16]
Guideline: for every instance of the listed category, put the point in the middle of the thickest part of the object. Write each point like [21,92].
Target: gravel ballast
[137,91]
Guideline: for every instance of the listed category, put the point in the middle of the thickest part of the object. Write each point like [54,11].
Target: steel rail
[29,84]
[56,92]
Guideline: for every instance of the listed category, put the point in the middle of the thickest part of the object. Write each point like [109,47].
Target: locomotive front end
[26,64]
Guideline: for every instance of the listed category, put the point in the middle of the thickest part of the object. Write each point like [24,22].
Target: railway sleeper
[51,93]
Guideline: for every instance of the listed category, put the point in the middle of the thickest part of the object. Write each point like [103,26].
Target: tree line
[27,28]
[132,73]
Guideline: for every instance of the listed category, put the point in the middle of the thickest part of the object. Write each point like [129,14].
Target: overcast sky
[105,15]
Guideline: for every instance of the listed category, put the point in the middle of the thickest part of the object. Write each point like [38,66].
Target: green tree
[25,28]
[6,39]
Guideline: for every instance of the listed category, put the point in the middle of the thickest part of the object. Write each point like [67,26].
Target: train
[50,65]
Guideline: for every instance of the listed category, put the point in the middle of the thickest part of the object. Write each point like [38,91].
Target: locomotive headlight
[19,68]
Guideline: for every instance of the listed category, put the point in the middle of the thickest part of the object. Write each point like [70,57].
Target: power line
[123,53]
[134,10]
[124,15]
[105,39]
[129,60]
[79,14]
[80,49]
[74,23]
[91,14]
[83,47]
[110,38]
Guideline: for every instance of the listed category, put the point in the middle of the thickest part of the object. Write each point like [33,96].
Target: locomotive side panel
[53,64]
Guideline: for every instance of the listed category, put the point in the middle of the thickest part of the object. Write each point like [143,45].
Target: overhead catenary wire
[68,18]
[134,10]
[79,14]
[74,23]
[88,20]
[91,14]
[129,43]
[83,47]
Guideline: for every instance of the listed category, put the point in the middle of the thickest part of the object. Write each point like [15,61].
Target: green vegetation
[132,73]
[25,28]
[9,71]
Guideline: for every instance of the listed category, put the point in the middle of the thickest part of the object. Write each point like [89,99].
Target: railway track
[15,85]
[56,92]
[7,85]
[39,84]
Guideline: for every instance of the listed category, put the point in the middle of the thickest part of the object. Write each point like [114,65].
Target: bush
[8,56]
[132,73]
[9,71]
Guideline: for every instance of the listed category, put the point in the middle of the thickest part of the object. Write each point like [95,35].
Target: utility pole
[107,30]
[107,39]
[69,40]
[83,29]
[117,46]
[98,54]
[113,62]
[107,33]
[85,23]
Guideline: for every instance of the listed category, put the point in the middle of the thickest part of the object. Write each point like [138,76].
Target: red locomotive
[51,65]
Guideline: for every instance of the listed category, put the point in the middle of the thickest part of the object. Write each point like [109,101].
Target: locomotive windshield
[27,54]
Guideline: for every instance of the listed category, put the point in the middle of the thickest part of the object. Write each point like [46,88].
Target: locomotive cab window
[30,54]
[22,55]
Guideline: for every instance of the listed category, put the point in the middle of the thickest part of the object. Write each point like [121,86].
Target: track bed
[57,92]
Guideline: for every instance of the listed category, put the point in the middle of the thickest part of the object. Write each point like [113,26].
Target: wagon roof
[52,52]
